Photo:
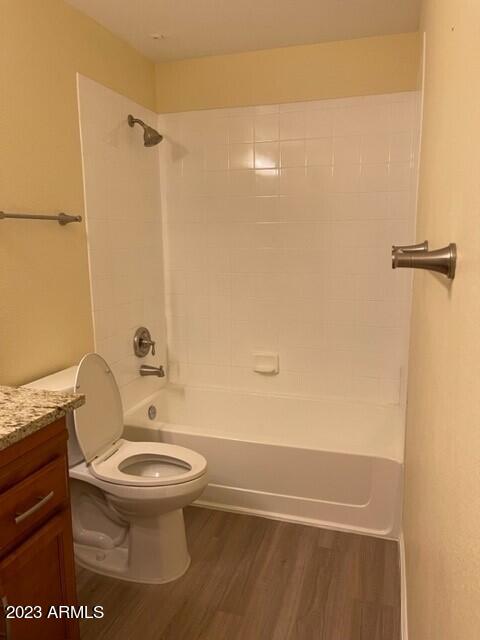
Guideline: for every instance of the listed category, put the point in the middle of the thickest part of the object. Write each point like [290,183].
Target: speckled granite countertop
[24,411]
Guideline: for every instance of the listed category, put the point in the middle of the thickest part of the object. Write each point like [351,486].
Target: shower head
[151,137]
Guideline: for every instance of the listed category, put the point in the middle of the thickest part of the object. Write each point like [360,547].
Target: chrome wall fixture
[149,370]
[417,256]
[411,248]
[151,137]
[142,342]
[61,218]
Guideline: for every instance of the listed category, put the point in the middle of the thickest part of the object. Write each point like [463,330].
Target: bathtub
[325,463]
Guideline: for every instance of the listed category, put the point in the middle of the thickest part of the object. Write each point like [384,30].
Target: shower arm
[132,120]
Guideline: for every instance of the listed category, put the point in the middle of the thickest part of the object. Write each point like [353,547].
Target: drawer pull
[20,517]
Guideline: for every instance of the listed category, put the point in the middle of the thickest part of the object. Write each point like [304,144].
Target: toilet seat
[135,493]
[99,426]
[148,464]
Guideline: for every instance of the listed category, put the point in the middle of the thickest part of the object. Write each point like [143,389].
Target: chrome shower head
[151,137]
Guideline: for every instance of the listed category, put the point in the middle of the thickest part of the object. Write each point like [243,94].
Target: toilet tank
[63,381]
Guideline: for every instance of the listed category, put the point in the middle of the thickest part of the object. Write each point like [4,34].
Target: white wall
[279,222]
[122,201]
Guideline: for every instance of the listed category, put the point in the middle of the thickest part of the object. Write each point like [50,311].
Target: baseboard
[403,588]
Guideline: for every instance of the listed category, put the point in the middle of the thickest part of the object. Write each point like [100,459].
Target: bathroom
[222,412]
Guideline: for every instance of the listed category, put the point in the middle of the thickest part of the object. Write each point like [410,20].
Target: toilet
[127,497]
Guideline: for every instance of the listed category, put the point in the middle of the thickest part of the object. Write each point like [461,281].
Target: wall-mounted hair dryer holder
[417,256]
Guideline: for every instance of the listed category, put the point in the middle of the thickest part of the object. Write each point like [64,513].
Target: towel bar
[61,218]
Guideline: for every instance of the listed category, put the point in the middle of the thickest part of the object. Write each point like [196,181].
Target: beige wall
[442,507]
[312,72]
[45,318]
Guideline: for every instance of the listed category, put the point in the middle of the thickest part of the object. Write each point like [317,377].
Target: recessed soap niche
[266,362]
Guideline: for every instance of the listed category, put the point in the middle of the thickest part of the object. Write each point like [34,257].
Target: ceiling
[195,28]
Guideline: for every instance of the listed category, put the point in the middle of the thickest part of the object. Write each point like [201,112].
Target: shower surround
[275,224]
[278,224]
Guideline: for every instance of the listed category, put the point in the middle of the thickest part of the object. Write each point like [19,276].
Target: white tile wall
[278,227]
[124,232]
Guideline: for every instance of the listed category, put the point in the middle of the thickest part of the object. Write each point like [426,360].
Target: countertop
[24,411]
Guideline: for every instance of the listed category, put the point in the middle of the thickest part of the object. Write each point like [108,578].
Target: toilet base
[154,552]
[115,565]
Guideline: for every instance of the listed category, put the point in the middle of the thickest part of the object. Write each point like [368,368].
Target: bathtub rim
[187,430]
[131,418]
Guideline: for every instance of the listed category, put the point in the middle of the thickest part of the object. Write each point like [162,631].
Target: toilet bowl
[127,497]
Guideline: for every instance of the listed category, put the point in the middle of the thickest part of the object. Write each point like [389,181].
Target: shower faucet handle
[149,343]
[142,342]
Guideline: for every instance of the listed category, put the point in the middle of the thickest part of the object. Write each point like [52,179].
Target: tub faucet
[149,370]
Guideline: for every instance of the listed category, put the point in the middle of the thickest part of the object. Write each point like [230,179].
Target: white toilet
[127,497]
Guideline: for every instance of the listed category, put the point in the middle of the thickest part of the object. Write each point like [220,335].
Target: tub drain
[152,412]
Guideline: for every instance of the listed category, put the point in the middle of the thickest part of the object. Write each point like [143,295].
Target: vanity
[37,573]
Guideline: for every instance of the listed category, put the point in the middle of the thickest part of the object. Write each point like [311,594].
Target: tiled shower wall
[124,233]
[278,226]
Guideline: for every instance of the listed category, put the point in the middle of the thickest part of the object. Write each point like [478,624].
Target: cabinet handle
[20,517]
[6,634]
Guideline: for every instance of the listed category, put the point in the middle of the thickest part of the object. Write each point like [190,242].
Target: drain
[152,412]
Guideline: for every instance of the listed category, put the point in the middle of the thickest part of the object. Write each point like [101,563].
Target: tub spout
[441,260]
[149,370]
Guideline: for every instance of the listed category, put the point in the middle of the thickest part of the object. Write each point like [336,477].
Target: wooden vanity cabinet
[36,544]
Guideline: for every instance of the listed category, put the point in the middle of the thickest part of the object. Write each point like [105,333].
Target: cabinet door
[40,573]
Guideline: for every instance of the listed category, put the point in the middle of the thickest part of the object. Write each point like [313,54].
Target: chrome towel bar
[61,218]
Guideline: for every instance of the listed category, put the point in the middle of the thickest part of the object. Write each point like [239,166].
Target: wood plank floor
[257,579]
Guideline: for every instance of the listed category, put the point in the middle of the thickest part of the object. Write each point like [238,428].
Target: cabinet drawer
[29,502]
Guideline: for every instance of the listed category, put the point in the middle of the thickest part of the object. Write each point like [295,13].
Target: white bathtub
[320,462]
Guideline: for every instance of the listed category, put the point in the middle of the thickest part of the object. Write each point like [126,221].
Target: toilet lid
[99,422]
